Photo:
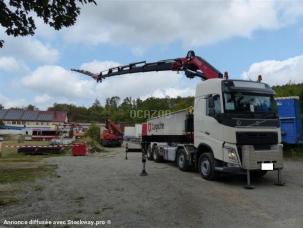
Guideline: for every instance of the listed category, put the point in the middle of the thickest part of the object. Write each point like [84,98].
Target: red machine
[79,149]
[112,135]
[192,65]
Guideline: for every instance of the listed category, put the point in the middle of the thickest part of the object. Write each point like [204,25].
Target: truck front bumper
[252,159]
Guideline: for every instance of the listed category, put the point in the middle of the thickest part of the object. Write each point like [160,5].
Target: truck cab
[236,127]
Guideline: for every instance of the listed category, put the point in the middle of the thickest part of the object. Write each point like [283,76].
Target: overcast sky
[245,38]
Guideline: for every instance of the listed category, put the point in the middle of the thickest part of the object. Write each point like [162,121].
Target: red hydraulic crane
[112,135]
[192,65]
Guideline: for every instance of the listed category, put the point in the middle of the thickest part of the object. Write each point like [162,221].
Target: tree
[16,16]
[31,108]
[112,103]
[1,123]
[96,104]
[93,132]
[1,107]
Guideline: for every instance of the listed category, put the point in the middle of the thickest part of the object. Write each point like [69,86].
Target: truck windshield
[240,102]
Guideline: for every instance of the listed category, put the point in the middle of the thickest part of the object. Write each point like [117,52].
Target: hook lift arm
[192,65]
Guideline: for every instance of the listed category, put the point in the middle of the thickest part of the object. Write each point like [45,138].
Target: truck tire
[207,166]
[156,156]
[182,161]
[149,153]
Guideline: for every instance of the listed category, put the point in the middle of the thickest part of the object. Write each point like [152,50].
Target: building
[34,125]
[16,118]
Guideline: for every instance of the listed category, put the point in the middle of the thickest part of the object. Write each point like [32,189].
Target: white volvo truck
[233,127]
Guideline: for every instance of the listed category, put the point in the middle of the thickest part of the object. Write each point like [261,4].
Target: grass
[17,174]
[10,154]
[7,200]
[7,195]
[294,152]
[16,168]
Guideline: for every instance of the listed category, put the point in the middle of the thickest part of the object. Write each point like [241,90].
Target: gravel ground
[109,187]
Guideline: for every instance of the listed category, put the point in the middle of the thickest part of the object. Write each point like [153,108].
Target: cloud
[194,23]
[172,92]
[42,99]
[10,64]
[10,102]
[53,82]
[277,72]
[142,85]
[29,49]
[57,81]
[289,11]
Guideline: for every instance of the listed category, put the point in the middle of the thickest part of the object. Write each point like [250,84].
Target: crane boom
[192,65]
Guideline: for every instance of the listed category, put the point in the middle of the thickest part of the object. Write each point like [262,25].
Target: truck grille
[257,138]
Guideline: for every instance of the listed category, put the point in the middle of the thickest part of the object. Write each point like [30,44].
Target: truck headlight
[231,154]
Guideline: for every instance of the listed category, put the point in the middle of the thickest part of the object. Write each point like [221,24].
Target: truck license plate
[267,166]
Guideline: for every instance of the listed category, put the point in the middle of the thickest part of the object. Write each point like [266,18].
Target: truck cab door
[207,129]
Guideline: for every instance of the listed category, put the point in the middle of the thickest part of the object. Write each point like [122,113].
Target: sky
[243,37]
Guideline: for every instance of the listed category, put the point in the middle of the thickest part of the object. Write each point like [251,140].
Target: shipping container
[290,119]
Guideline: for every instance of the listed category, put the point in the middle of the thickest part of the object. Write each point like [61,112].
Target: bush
[93,145]
[93,132]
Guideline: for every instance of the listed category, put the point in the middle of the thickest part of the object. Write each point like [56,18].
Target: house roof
[2,113]
[30,115]
[25,115]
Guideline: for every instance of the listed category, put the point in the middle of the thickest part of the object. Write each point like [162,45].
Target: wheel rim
[181,161]
[205,167]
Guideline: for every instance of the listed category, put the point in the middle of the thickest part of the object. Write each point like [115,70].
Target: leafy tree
[31,108]
[122,112]
[1,123]
[94,132]
[1,107]
[112,103]
[16,16]
[96,104]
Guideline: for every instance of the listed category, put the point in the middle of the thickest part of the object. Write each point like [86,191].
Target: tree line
[127,110]
[131,110]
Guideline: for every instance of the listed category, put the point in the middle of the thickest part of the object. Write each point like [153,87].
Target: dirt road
[109,188]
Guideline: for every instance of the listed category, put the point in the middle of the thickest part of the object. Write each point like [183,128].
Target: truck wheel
[182,162]
[206,166]
[156,156]
[149,154]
